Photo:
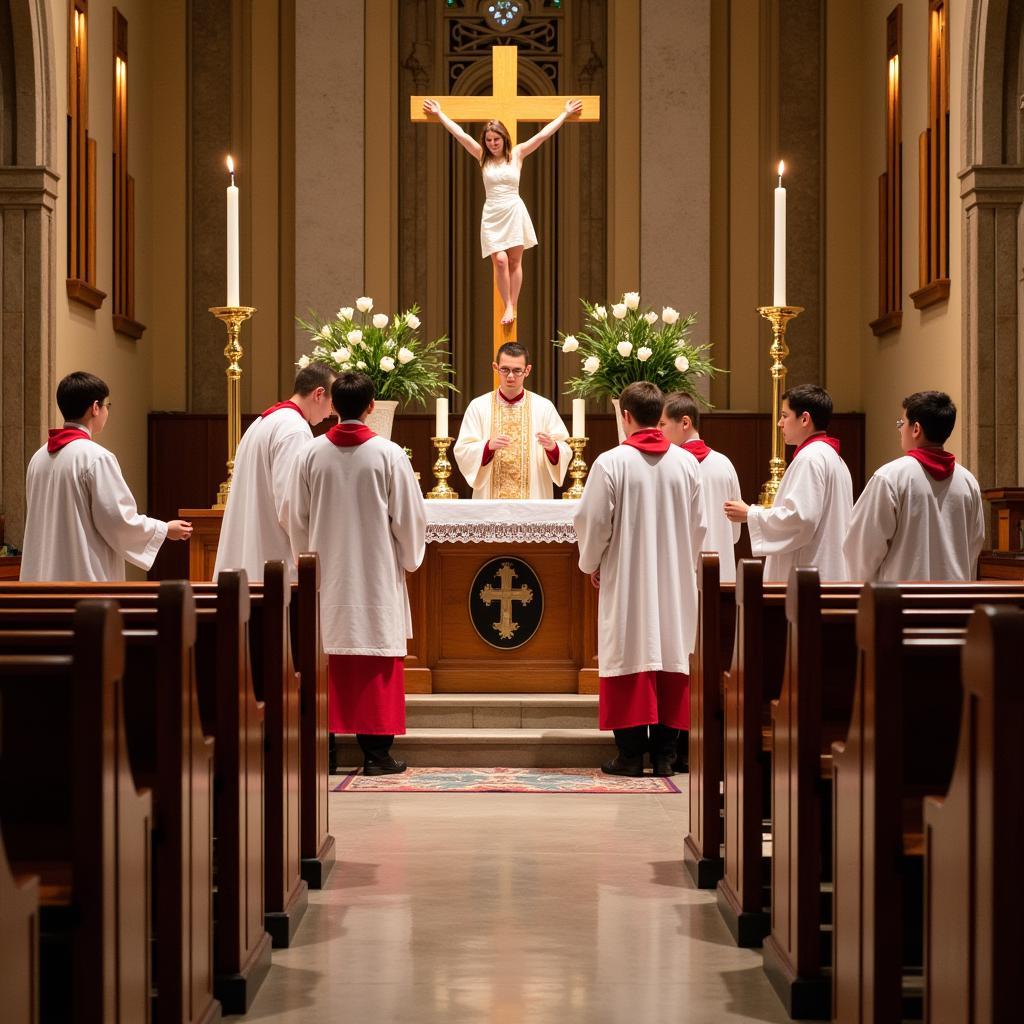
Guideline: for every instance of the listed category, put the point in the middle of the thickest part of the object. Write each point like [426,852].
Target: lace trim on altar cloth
[501,533]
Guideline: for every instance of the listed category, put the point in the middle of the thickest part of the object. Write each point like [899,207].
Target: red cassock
[366,694]
[645,698]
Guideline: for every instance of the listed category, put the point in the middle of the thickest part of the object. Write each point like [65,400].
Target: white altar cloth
[501,522]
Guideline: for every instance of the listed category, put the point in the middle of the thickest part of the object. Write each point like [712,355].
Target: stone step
[501,711]
[492,748]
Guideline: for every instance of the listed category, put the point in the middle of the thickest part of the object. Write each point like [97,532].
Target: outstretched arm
[465,140]
[572,109]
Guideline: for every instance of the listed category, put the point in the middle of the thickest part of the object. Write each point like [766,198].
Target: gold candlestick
[232,317]
[577,468]
[442,470]
[779,317]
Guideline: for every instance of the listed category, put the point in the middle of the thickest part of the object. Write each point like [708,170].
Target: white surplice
[719,484]
[807,524]
[82,523]
[255,525]
[362,510]
[647,608]
[909,526]
[476,430]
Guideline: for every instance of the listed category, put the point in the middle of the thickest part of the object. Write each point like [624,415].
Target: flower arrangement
[626,344]
[387,349]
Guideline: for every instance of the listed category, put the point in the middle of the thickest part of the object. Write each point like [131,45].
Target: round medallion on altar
[506,603]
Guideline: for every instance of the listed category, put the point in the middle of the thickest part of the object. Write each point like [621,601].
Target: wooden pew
[716,624]
[974,838]
[85,832]
[19,942]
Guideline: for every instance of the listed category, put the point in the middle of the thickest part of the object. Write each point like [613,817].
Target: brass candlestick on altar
[232,317]
[577,468]
[779,317]
[442,470]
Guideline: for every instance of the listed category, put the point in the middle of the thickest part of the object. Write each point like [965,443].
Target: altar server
[255,525]
[82,523]
[921,516]
[807,522]
[646,576]
[680,423]
[512,442]
[354,499]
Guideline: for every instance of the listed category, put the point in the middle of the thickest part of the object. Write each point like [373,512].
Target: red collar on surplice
[697,448]
[937,461]
[289,404]
[348,435]
[58,439]
[822,436]
[512,401]
[650,440]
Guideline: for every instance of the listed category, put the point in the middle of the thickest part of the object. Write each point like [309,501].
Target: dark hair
[679,404]
[500,129]
[935,411]
[76,393]
[814,400]
[513,349]
[643,401]
[316,375]
[351,394]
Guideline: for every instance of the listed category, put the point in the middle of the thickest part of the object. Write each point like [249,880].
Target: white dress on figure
[505,222]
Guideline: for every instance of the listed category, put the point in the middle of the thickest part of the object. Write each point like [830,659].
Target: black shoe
[681,765]
[383,766]
[619,765]
[664,769]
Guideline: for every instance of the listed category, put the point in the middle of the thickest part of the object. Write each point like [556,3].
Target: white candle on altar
[779,290]
[579,417]
[441,418]
[232,237]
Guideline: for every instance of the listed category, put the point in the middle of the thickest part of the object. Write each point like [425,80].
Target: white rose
[643,354]
[413,321]
[570,344]
[651,317]
[619,311]
[354,337]
[387,364]
[590,364]
[345,313]
[380,320]
[364,303]
[631,300]
[624,348]
[682,364]
[346,366]
[669,315]
[601,313]
[341,355]
[405,356]
[303,362]
[325,331]
[360,365]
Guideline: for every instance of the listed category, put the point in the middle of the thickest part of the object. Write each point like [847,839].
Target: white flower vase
[618,420]
[382,419]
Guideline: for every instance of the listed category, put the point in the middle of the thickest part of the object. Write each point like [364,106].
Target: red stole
[60,438]
[289,404]
[697,448]
[938,462]
[822,436]
[650,440]
[348,435]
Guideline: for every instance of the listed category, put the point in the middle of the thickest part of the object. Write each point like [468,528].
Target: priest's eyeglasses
[899,423]
[511,371]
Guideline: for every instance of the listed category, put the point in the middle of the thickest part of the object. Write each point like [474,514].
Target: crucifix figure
[506,229]
[506,594]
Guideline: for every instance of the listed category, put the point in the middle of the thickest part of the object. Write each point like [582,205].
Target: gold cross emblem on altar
[506,594]
[505,104]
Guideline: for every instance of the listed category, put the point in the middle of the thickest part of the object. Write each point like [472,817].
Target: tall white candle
[232,237]
[441,418]
[779,290]
[579,417]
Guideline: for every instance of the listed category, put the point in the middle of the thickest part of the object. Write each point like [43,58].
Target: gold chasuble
[510,475]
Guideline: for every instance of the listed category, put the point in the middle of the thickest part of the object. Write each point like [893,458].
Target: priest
[921,517]
[354,499]
[808,520]
[512,441]
[255,524]
[645,575]
[82,523]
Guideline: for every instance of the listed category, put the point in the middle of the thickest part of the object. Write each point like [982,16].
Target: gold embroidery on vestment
[510,470]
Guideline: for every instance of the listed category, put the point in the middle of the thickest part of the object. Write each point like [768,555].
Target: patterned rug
[502,780]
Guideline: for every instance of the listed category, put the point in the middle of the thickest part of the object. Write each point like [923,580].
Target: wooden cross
[506,595]
[505,105]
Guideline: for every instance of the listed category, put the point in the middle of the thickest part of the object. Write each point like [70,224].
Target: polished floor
[512,909]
